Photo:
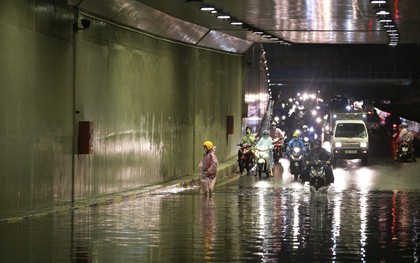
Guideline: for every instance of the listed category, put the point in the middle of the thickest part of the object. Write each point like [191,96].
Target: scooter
[307,143]
[277,150]
[246,158]
[262,158]
[296,162]
[317,175]
[405,152]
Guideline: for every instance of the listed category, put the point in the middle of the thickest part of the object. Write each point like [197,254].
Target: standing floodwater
[237,224]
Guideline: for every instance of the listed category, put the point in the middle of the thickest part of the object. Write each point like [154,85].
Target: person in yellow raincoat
[208,169]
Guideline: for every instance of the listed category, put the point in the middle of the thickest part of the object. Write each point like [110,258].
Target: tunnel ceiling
[302,21]
[356,57]
[295,22]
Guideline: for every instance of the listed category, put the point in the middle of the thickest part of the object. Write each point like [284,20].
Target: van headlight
[338,145]
[363,145]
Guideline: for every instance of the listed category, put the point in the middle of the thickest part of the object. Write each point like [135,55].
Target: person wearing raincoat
[208,169]
[266,143]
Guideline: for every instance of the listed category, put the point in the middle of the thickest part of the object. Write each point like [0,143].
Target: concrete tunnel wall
[152,103]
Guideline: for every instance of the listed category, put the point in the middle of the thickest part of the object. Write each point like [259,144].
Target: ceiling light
[388,25]
[223,17]
[385,20]
[383,12]
[207,8]
[236,23]
[378,1]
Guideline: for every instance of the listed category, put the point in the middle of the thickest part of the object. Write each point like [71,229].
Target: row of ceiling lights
[235,22]
[383,14]
[264,59]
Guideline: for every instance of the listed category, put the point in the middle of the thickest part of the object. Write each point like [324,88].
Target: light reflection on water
[238,224]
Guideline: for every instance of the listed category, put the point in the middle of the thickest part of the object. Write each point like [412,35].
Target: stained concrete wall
[36,127]
[152,104]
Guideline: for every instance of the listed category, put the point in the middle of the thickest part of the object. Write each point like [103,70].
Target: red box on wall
[229,125]
[85,138]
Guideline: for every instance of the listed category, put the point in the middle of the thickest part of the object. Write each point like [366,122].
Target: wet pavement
[370,214]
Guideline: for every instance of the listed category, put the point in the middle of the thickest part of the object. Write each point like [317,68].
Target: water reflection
[239,223]
[208,223]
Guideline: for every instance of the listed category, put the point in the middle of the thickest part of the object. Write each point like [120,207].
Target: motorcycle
[277,150]
[245,158]
[296,162]
[317,175]
[307,143]
[262,158]
[405,152]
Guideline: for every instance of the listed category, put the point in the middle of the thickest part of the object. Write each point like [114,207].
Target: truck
[335,115]
[350,140]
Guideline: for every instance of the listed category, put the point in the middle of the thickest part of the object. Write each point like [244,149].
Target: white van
[350,140]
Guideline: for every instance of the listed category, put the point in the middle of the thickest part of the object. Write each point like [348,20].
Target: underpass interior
[144,87]
[152,80]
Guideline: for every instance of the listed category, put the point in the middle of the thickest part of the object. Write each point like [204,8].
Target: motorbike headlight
[338,145]
[306,139]
[363,145]
[296,150]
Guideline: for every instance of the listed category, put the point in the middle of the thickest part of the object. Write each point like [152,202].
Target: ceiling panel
[303,21]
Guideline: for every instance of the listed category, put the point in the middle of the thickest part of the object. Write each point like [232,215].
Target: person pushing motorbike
[315,154]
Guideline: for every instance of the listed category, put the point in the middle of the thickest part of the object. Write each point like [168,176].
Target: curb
[226,172]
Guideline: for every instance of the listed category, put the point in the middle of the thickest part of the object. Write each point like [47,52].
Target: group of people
[264,143]
[316,153]
[275,133]
[208,165]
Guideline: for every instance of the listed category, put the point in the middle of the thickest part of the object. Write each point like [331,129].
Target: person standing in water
[208,169]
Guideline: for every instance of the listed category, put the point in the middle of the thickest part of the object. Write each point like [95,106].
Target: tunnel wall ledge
[226,172]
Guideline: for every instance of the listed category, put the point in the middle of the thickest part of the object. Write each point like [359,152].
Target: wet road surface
[370,214]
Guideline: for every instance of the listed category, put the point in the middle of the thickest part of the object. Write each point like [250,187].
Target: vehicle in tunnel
[350,140]
[405,152]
